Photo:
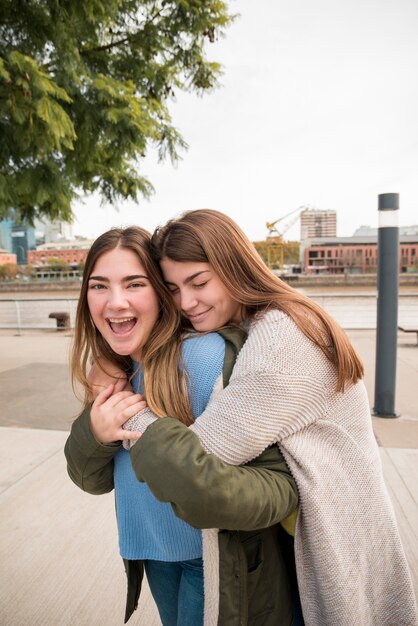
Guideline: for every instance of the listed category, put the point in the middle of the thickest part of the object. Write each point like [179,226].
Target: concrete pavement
[60,563]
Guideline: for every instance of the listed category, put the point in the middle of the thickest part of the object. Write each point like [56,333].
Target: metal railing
[355,310]
[350,310]
[26,313]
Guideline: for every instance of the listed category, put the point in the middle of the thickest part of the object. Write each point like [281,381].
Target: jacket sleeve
[206,492]
[89,463]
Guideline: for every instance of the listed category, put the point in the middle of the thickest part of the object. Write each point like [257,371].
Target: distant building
[354,255]
[317,223]
[6,234]
[48,231]
[73,252]
[7,258]
[369,231]
[17,238]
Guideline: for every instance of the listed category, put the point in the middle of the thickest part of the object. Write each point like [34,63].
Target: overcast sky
[318,107]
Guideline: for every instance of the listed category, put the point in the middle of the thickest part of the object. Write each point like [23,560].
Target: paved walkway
[59,561]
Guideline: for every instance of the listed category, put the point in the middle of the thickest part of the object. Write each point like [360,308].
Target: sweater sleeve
[278,387]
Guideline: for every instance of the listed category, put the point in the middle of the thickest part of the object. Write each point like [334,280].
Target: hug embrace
[228,413]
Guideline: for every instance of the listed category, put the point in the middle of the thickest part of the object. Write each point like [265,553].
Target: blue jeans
[177,589]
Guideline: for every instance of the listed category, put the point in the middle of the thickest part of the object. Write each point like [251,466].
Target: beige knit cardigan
[350,563]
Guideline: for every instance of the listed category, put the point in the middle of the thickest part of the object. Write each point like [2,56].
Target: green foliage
[290,253]
[261,247]
[84,89]
[57,265]
[27,270]
[8,271]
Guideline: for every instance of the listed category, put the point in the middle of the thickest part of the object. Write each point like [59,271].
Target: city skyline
[127,217]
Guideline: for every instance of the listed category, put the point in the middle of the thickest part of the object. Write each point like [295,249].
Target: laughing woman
[126,317]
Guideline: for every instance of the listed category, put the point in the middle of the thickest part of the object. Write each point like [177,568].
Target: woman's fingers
[126,401]
[128,435]
[104,395]
[115,399]
[111,410]
[129,409]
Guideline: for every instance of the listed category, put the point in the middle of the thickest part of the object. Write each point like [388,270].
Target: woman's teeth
[119,325]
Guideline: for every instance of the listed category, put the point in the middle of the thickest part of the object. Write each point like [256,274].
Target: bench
[409,329]
[63,319]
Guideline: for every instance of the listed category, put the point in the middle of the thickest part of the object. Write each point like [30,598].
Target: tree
[292,252]
[261,248]
[8,271]
[84,89]
[28,270]
[57,265]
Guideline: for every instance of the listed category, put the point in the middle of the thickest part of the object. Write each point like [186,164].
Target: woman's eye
[97,287]
[200,285]
[136,285]
[173,290]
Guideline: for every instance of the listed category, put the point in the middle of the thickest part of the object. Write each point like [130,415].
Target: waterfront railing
[351,310]
[26,313]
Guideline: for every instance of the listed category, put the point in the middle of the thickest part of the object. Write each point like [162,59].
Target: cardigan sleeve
[279,386]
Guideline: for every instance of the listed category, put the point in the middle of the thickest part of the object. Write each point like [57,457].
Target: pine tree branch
[109,46]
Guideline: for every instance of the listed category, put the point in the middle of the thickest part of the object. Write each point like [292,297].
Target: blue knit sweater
[148,529]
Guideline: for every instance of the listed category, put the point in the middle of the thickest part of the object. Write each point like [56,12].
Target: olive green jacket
[247,503]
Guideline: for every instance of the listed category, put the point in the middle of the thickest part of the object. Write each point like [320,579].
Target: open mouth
[122,326]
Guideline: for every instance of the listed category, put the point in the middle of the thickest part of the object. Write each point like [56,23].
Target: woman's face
[122,302]
[200,295]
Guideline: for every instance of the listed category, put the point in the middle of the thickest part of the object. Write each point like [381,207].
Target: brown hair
[208,236]
[164,383]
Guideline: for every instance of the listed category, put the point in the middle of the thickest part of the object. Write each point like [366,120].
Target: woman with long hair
[127,322]
[297,383]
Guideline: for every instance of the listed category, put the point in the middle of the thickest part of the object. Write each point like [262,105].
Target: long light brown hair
[208,236]
[164,381]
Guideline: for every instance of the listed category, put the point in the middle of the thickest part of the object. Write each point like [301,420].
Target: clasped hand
[113,406]
[111,410]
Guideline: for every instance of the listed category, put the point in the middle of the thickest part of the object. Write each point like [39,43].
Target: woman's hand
[102,374]
[111,410]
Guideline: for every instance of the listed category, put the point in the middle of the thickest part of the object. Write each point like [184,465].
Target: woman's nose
[188,301]
[117,299]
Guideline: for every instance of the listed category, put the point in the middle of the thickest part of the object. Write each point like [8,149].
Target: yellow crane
[275,241]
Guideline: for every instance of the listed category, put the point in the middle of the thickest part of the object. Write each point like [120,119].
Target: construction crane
[271,226]
[275,241]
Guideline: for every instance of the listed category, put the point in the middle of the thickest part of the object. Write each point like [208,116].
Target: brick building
[354,255]
[73,252]
[7,258]
[317,223]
